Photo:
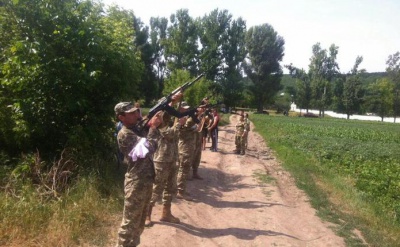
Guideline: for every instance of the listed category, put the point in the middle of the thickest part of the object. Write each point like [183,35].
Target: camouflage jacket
[127,140]
[247,121]
[187,136]
[240,128]
[167,148]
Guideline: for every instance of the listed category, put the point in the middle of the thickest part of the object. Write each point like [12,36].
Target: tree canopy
[265,50]
[65,64]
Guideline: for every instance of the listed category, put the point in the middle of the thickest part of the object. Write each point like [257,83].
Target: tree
[67,64]
[265,50]
[192,95]
[234,52]
[338,94]
[393,71]
[181,48]
[322,69]
[213,33]
[158,34]
[352,91]
[148,85]
[303,87]
[222,52]
[380,97]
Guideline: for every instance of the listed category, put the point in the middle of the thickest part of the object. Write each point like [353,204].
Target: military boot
[183,195]
[196,175]
[167,215]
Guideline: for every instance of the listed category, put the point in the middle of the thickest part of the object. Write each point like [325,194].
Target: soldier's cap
[124,107]
[185,105]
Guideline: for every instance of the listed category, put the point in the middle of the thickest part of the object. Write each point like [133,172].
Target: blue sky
[367,28]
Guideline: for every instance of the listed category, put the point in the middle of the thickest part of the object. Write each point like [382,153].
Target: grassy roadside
[84,215]
[81,216]
[331,192]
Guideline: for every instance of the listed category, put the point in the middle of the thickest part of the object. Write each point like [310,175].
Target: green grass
[354,169]
[82,215]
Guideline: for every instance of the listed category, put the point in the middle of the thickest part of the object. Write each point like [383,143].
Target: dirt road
[231,208]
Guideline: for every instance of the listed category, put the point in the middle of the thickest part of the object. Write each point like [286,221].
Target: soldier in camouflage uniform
[247,121]
[186,148]
[165,159]
[139,177]
[198,142]
[241,131]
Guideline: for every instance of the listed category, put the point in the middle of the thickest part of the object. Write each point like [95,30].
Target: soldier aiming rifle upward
[164,104]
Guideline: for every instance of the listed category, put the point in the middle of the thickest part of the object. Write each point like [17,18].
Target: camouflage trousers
[137,198]
[240,143]
[165,182]
[197,152]
[185,163]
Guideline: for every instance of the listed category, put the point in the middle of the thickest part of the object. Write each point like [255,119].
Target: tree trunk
[260,108]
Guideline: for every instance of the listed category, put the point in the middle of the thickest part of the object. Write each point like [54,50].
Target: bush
[310,114]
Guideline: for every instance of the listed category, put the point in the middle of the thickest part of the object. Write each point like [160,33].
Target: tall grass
[350,170]
[82,215]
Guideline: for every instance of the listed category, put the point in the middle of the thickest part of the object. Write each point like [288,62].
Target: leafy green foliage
[181,48]
[265,50]
[393,71]
[67,64]
[148,83]
[379,97]
[222,52]
[192,95]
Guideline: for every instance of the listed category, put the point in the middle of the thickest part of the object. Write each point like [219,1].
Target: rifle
[208,107]
[207,112]
[163,104]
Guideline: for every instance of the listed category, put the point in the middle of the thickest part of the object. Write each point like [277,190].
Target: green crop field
[363,155]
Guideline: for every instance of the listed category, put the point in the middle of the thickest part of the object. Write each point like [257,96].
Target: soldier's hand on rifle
[200,110]
[176,98]
[182,121]
[156,120]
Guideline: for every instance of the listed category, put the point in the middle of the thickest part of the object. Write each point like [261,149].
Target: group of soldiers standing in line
[151,154]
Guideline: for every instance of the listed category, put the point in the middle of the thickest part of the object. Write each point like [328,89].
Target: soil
[231,207]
